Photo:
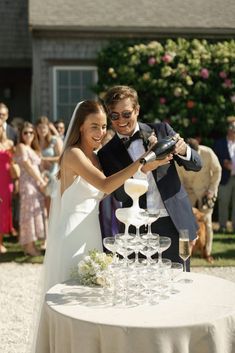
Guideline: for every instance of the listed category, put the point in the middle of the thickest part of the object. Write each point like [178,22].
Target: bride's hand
[157,163]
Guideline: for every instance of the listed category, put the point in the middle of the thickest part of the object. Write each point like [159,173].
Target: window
[70,86]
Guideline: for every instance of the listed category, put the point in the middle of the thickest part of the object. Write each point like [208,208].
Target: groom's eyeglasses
[126,115]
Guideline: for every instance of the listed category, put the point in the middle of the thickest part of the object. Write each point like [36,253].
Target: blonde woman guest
[32,222]
[51,148]
[50,145]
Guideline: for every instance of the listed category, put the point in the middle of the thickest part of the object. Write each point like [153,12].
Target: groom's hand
[181,147]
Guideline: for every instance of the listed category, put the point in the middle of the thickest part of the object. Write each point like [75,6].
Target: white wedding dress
[73,230]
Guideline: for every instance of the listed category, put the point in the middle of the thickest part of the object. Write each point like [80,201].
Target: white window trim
[54,80]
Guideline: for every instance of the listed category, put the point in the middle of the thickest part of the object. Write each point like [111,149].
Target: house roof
[133,15]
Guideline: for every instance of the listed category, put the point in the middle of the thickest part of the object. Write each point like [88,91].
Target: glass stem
[115,255]
[137,250]
[126,228]
[135,203]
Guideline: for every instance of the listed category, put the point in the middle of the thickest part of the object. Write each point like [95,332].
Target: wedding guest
[11,134]
[165,190]
[33,223]
[4,115]
[6,186]
[225,151]
[51,147]
[202,188]
[17,124]
[60,127]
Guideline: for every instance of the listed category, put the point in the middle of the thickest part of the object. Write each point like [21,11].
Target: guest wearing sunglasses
[31,185]
[165,190]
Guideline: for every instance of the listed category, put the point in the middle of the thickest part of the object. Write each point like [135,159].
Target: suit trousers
[225,196]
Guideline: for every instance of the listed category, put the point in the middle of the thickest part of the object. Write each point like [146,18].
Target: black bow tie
[128,140]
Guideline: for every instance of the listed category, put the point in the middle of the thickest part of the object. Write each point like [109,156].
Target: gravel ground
[18,289]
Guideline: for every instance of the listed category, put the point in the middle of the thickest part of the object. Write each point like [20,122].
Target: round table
[199,319]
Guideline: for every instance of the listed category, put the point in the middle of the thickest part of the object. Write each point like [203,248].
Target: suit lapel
[120,151]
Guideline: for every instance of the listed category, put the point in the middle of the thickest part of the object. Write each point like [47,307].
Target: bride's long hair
[79,116]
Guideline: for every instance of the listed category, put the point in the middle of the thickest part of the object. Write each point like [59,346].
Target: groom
[165,190]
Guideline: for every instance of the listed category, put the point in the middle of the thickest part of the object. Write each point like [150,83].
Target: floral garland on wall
[188,83]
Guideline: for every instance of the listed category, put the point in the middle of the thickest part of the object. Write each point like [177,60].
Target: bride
[74,223]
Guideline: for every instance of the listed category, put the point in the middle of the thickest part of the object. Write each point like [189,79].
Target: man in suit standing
[10,132]
[225,151]
[165,189]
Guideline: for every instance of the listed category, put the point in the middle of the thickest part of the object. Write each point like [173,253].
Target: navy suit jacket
[222,152]
[114,157]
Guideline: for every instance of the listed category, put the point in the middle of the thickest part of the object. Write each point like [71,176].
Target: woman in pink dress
[6,186]
[33,223]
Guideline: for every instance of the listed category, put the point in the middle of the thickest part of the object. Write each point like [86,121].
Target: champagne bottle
[161,149]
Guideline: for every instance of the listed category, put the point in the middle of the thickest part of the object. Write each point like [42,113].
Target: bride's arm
[75,160]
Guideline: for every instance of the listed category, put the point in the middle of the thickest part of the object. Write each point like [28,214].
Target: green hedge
[189,83]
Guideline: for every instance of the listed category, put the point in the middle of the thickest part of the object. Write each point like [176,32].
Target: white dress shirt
[154,200]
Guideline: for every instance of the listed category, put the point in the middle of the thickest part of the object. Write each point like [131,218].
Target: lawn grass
[15,253]
[223,252]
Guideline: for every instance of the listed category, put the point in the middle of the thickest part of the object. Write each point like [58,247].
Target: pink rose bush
[187,82]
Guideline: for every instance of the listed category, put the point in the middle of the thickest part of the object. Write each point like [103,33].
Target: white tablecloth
[199,319]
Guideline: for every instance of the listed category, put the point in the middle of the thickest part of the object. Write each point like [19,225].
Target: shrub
[188,83]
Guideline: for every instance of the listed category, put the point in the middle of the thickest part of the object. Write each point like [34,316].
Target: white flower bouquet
[91,270]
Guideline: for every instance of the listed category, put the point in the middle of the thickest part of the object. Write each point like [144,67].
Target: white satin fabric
[73,230]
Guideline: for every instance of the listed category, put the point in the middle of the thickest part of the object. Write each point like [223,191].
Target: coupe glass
[163,275]
[124,246]
[175,271]
[152,217]
[164,244]
[150,280]
[184,250]
[124,215]
[139,219]
[150,246]
[111,245]
[135,188]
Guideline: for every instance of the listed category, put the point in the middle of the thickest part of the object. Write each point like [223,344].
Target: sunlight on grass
[15,253]
[223,252]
